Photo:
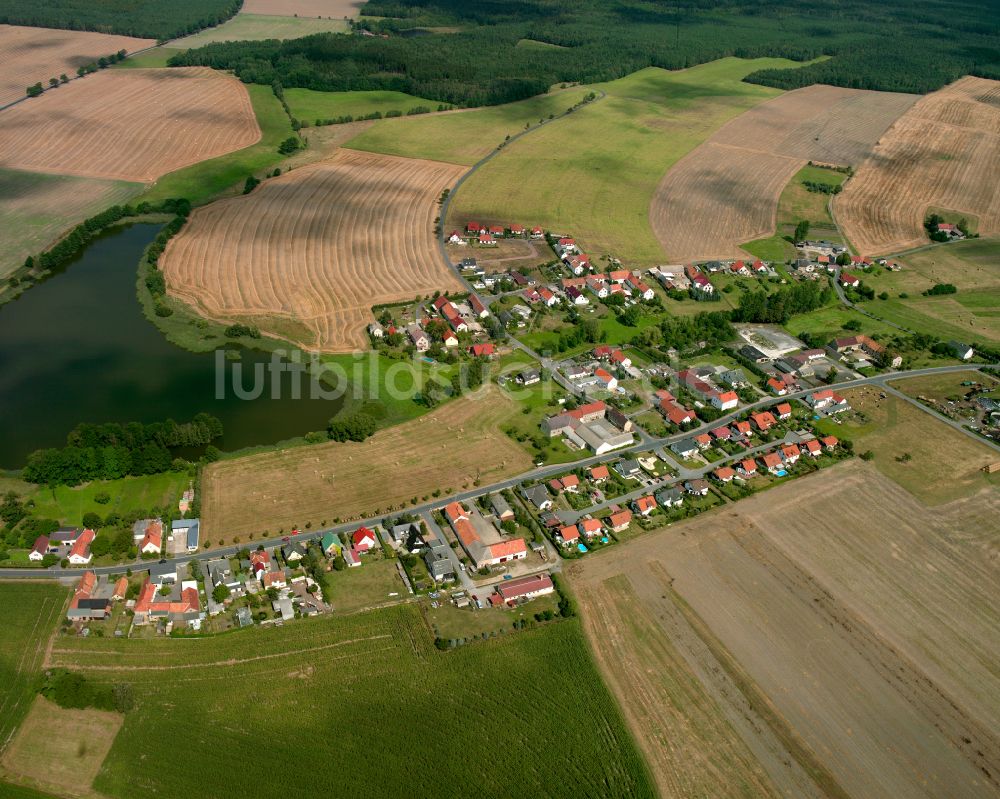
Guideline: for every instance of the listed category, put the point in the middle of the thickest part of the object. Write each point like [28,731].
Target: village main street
[646,443]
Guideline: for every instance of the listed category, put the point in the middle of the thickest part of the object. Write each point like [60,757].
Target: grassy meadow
[253,27]
[342,695]
[463,137]
[310,105]
[593,173]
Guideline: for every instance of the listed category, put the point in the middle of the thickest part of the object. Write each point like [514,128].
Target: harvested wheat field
[33,55]
[130,124]
[944,152]
[833,633]
[725,192]
[337,9]
[59,749]
[447,449]
[317,247]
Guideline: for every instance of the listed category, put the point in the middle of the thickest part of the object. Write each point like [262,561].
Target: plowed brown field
[834,631]
[725,192]
[318,246]
[131,124]
[32,55]
[944,152]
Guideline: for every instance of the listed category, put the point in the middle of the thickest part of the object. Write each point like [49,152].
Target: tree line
[112,450]
[601,40]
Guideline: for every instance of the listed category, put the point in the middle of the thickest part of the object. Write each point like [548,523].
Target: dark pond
[77,348]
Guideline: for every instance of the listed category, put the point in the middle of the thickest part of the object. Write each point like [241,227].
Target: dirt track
[944,152]
[33,55]
[132,124]
[725,192]
[306,255]
[861,631]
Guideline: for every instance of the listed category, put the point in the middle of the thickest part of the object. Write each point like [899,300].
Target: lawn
[611,154]
[251,27]
[205,181]
[463,137]
[450,622]
[310,105]
[28,615]
[829,322]
[925,456]
[773,248]
[365,586]
[67,504]
[343,692]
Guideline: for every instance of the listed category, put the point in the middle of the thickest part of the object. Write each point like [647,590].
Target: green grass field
[338,696]
[28,615]
[206,181]
[152,59]
[593,174]
[310,105]
[463,137]
[68,505]
[251,27]
[36,208]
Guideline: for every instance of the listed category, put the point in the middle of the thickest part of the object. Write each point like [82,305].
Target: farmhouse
[85,606]
[186,609]
[877,352]
[589,427]
[525,588]
[40,548]
[79,553]
[483,555]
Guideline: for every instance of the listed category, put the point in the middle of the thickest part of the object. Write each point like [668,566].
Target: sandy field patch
[725,192]
[859,630]
[446,449]
[32,55]
[337,9]
[944,152]
[317,246]
[59,749]
[130,124]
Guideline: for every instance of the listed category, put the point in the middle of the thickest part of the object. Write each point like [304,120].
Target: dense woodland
[150,19]
[903,46]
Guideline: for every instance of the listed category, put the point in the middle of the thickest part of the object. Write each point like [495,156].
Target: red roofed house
[40,548]
[537,233]
[829,442]
[526,588]
[486,240]
[703,440]
[784,410]
[568,535]
[363,539]
[763,421]
[609,380]
[621,359]
[725,400]
[152,542]
[742,428]
[849,280]
[620,520]
[589,527]
[482,350]
[570,483]
[814,448]
[777,386]
[260,562]
[644,505]
[80,554]
[747,468]
[517,230]
[120,590]
[496,230]
[772,462]
[275,580]
[477,306]
[724,474]
[721,433]
[599,473]
[473,228]
[790,452]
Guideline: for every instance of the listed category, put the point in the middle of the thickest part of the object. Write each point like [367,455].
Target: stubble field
[844,634]
[447,449]
[944,152]
[33,55]
[316,248]
[726,191]
[130,125]
[336,9]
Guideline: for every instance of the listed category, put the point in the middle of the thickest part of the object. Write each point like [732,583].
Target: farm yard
[726,191]
[35,208]
[445,450]
[378,677]
[846,632]
[612,153]
[943,152]
[174,118]
[343,235]
[33,55]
